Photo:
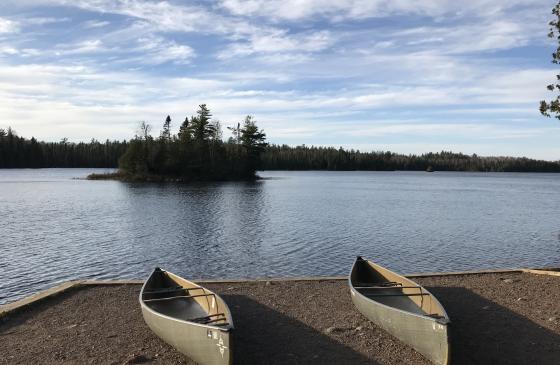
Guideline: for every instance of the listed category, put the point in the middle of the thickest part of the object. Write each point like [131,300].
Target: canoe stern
[203,344]
[429,335]
[425,335]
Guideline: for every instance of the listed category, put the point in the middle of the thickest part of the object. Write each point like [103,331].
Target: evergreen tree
[184,133]
[552,107]
[19,152]
[253,139]
[166,130]
[200,128]
[254,142]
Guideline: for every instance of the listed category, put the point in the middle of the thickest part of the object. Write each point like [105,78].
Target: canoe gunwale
[441,320]
[144,306]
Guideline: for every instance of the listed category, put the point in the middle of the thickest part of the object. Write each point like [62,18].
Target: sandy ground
[496,319]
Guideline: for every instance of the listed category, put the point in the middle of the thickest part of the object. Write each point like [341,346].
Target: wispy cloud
[360,9]
[8,26]
[45,20]
[96,23]
[354,73]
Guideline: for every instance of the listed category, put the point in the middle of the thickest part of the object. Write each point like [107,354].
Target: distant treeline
[167,154]
[328,158]
[19,152]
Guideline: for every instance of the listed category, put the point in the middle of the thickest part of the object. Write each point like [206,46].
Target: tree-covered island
[196,153]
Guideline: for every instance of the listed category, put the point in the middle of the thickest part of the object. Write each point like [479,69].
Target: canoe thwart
[205,319]
[215,320]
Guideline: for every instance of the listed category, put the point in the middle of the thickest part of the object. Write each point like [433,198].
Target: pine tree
[552,107]
[166,131]
[252,138]
[201,128]
[184,133]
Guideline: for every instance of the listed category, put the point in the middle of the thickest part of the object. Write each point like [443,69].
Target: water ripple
[54,228]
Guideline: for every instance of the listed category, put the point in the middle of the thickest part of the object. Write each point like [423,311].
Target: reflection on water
[54,228]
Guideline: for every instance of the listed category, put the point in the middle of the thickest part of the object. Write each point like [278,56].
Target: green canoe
[192,319]
[402,307]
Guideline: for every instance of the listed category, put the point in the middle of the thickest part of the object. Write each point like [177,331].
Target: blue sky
[395,75]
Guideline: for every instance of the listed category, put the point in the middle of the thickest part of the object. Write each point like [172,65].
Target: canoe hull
[405,317]
[194,320]
[202,344]
[424,335]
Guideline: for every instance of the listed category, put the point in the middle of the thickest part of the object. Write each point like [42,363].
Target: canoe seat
[387,287]
[384,284]
[170,290]
[396,295]
[165,290]
[178,297]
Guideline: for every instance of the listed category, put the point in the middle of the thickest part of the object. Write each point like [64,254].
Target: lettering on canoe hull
[221,346]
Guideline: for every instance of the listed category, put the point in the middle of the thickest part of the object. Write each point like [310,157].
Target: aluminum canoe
[189,317]
[402,307]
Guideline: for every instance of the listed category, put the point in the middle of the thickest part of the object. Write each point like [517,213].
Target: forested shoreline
[166,155]
[20,152]
[285,157]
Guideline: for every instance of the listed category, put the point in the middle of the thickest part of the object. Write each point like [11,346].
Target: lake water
[55,228]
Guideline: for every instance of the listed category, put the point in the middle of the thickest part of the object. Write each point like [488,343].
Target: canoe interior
[181,299]
[393,290]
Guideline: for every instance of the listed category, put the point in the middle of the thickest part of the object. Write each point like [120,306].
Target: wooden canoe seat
[170,290]
[396,295]
[165,290]
[386,287]
[384,284]
[178,297]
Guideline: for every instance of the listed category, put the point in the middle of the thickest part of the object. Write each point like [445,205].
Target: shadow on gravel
[484,332]
[265,336]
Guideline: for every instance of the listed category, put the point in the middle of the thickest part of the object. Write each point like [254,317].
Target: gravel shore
[510,318]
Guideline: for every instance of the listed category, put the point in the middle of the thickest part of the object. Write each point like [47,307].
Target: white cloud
[156,50]
[45,20]
[279,42]
[96,23]
[8,26]
[359,9]
[311,71]
[7,50]
[167,17]
[87,46]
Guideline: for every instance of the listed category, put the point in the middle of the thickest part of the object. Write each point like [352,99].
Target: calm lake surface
[55,228]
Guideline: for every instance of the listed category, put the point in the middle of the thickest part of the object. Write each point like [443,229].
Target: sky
[405,76]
